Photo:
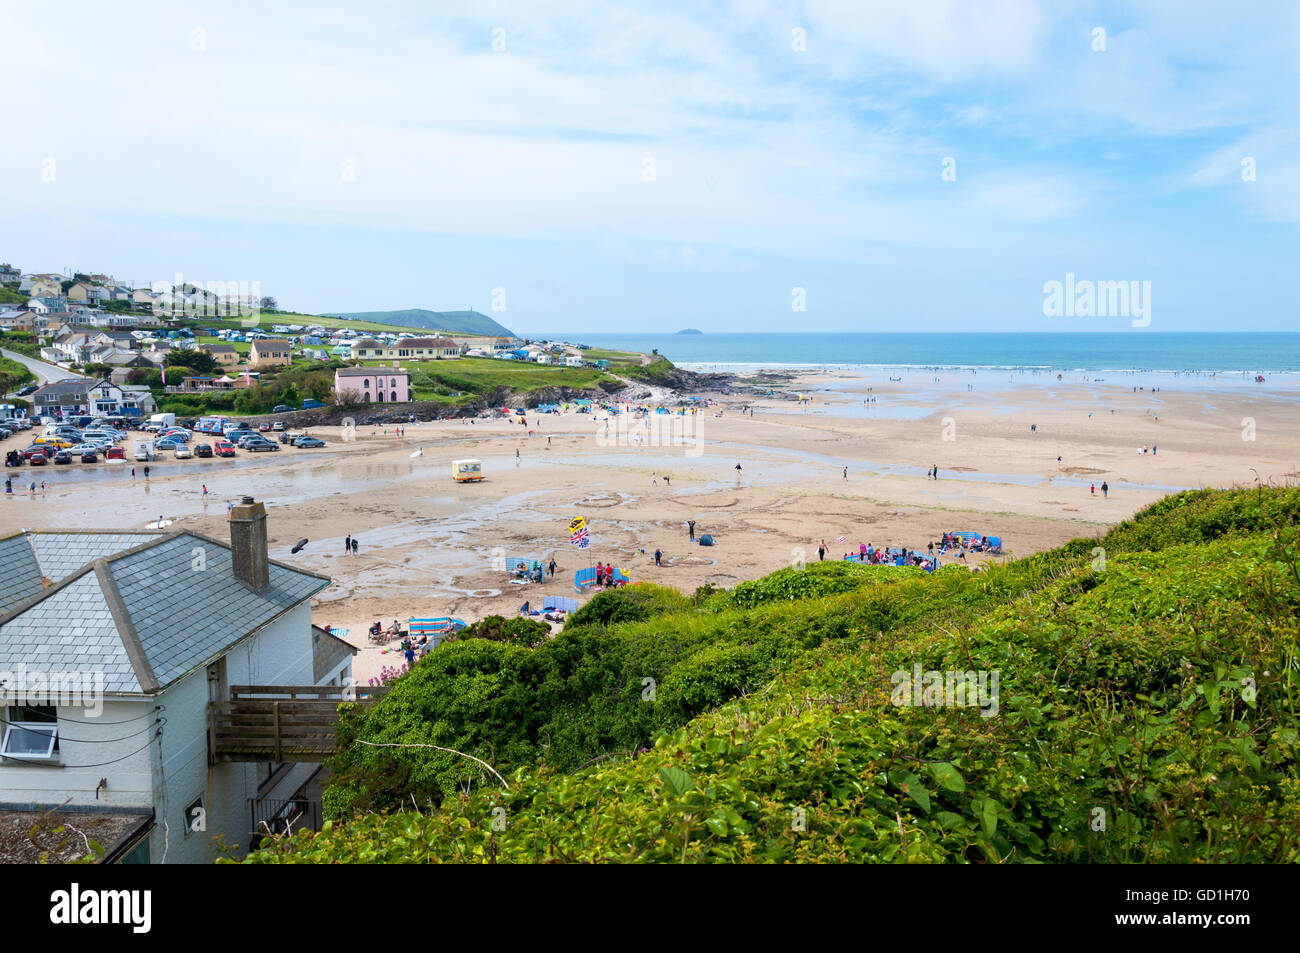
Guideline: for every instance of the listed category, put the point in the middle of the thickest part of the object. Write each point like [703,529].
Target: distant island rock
[689,331]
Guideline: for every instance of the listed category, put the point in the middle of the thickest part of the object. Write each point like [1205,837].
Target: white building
[140,632]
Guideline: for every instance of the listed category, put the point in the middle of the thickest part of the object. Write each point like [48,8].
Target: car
[260,446]
[237,435]
[263,427]
[278,426]
[5,433]
[183,452]
[90,456]
[305,441]
[245,439]
[38,459]
[114,453]
[62,456]
[223,449]
[281,409]
[54,443]
[29,389]
[176,433]
[202,450]
[310,404]
[168,443]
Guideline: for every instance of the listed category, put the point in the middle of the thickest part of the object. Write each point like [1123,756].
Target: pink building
[378,385]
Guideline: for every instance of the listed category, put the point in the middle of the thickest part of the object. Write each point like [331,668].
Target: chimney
[248,543]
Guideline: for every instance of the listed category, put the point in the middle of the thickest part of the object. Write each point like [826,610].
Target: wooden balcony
[281,722]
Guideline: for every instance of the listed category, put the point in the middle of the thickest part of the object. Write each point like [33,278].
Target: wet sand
[432,547]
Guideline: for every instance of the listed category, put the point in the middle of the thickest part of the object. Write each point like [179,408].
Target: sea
[1191,353]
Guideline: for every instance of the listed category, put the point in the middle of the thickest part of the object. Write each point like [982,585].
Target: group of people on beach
[350,545]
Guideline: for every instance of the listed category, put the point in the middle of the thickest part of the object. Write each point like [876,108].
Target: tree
[201,361]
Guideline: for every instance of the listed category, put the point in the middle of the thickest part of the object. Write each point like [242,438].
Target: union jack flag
[579,538]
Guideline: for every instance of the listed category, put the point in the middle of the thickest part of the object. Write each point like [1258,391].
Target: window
[392,382]
[32,733]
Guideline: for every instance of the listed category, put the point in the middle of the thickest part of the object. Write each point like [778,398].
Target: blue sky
[648,167]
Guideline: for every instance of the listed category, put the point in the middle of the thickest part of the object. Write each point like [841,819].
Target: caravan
[467,471]
[145,451]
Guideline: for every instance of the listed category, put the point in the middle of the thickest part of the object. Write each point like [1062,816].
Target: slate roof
[143,608]
[20,573]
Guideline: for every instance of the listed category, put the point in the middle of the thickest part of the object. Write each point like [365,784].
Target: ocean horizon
[1198,352]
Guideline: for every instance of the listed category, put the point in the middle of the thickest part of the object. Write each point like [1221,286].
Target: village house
[416,349]
[223,354]
[381,385]
[83,292]
[24,320]
[131,662]
[9,275]
[269,352]
[45,288]
[61,397]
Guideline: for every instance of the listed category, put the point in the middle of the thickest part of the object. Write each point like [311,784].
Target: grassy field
[479,375]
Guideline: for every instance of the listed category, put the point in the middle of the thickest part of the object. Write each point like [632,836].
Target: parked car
[263,427]
[245,439]
[306,441]
[202,450]
[309,404]
[183,452]
[29,389]
[90,455]
[223,449]
[167,443]
[5,433]
[281,409]
[259,444]
[38,459]
[114,453]
[278,426]
[62,456]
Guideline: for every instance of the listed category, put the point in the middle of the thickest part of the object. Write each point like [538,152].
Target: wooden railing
[281,722]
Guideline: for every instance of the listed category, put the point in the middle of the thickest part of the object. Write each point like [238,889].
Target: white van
[144,451]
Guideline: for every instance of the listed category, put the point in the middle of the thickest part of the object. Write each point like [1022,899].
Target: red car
[114,453]
[263,427]
[35,449]
[37,459]
[223,449]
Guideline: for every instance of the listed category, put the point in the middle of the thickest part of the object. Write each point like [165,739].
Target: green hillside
[1145,712]
[460,322]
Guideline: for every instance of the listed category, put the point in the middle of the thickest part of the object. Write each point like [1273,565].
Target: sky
[880,165]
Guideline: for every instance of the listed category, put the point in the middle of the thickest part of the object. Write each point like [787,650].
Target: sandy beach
[432,547]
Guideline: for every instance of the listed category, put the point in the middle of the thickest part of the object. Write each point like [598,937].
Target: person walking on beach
[936,471]
[9,486]
[205,489]
[347,544]
[146,473]
[1105,489]
[846,474]
[355,546]
[658,557]
[516,459]
[690,529]
[551,567]
[821,550]
[1092,490]
[133,473]
[667,481]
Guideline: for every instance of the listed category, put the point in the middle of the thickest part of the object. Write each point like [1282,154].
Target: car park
[308,442]
[202,450]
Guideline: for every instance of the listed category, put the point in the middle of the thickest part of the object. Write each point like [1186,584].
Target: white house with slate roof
[112,644]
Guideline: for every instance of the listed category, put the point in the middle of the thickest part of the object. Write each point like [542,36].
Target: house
[23,320]
[504,344]
[61,397]
[223,354]
[143,299]
[9,275]
[83,292]
[47,304]
[137,400]
[122,652]
[45,287]
[270,352]
[104,399]
[381,385]
[418,349]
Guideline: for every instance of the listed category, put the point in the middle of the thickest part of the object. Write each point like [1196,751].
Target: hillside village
[190,349]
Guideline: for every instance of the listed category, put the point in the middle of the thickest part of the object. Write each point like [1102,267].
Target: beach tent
[548,408]
[994,543]
[587,577]
[706,540]
[435,629]
[515,563]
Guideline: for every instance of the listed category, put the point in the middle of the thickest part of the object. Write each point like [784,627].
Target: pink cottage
[378,385]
